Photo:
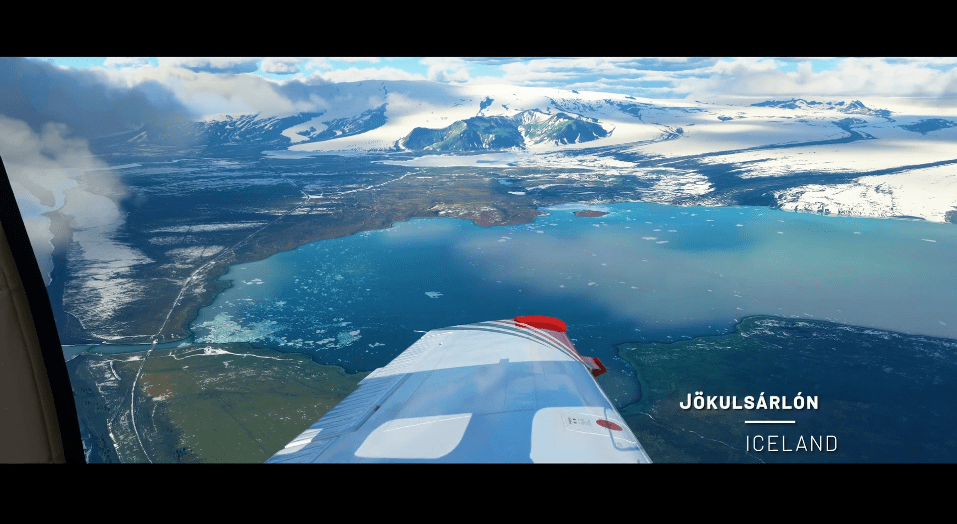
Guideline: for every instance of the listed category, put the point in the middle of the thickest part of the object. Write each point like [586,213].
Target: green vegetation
[467,135]
[205,403]
[563,129]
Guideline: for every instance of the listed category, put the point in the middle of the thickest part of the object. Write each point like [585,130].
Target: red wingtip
[597,368]
[551,323]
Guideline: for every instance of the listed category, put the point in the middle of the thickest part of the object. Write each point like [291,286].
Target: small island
[590,213]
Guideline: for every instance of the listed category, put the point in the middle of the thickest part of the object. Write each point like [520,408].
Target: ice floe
[224,329]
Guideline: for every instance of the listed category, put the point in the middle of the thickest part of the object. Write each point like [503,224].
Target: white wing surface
[499,391]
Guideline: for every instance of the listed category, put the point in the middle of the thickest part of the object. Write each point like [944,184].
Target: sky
[670,77]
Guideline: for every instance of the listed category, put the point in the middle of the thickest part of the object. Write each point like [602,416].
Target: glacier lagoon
[642,273]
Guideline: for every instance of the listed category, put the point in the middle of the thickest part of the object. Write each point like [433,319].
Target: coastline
[297,235]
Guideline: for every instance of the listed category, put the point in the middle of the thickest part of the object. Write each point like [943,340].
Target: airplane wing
[499,391]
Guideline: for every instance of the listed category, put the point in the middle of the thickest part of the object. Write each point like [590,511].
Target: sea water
[643,272]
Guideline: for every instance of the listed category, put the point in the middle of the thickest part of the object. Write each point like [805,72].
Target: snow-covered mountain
[800,153]
[229,132]
[853,107]
[388,115]
[441,117]
[500,132]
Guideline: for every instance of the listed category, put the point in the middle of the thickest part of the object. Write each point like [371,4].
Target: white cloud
[354,74]
[317,63]
[446,69]
[635,76]
[708,78]
[126,61]
[803,58]
[280,66]
[355,59]
[211,94]
[850,78]
[43,167]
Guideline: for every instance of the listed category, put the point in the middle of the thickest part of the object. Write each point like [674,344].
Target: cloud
[214,64]
[207,95]
[91,103]
[632,76]
[713,79]
[803,58]
[497,60]
[126,61]
[850,78]
[355,59]
[354,74]
[46,115]
[317,63]
[280,66]
[446,69]
[43,167]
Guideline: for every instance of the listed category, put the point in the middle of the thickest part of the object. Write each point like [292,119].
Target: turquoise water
[643,272]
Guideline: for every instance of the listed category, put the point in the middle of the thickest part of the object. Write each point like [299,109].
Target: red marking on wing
[608,424]
[551,323]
